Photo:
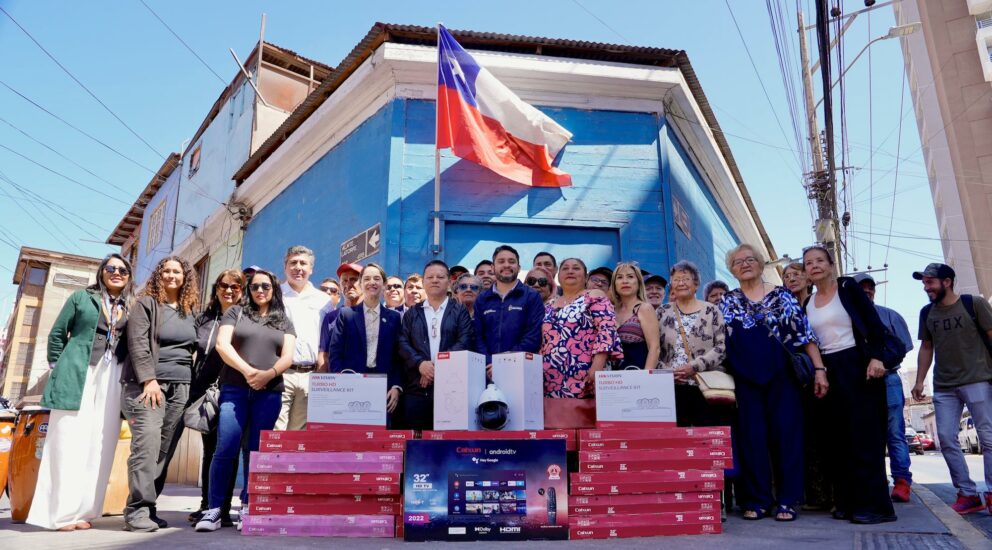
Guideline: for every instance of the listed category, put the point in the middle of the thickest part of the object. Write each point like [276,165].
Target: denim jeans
[241,410]
[898,448]
[948,405]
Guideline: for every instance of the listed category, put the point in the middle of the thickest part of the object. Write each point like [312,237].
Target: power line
[77,182]
[81,167]
[81,85]
[69,124]
[895,181]
[596,17]
[45,227]
[47,204]
[179,38]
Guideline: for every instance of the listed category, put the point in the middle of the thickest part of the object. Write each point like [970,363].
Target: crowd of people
[812,354]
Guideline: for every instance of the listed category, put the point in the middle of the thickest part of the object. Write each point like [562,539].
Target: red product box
[379,526]
[642,477]
[579,533]
[568,436]
[330,462]
[323,478]
[316,509]
[659,454]
[575,510]
[329,427]
[644,488]
[344,434]
[676,442]
[331,445]
[326,500]
[660,464]
[721,432]
[645,500]
[324,488]
[608,424]
[632,520]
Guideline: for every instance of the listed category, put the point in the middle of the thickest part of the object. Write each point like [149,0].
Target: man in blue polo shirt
[508,316]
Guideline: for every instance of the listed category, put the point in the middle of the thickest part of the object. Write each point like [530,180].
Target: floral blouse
[705,332]
[779,311]
[573,335]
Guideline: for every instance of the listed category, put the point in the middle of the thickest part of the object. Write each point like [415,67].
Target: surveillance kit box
[520,376]
[459,379]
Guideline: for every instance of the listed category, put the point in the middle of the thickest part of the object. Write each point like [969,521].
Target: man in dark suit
[365,337]
[435,325]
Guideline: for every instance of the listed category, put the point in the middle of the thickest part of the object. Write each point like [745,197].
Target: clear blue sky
[143,73]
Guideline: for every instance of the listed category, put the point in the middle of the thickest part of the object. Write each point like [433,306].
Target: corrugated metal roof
[554,47]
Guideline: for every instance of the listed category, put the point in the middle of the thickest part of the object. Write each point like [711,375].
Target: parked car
[968,436]
[913,439]
[928,443]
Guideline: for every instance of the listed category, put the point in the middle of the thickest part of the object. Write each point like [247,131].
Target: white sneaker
[210,521]
[242,516]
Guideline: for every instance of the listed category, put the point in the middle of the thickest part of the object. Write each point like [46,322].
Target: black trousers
[418,411]
[858,407]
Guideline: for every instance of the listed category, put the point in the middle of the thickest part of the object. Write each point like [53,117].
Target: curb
[967,534]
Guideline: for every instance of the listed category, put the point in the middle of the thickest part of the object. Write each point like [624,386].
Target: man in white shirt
[303,304]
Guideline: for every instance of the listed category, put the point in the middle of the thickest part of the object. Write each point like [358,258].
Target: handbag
[717,387]
[801,364]
[201,414]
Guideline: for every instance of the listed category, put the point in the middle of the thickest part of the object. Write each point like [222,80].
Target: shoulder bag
[201,414]
[717,387]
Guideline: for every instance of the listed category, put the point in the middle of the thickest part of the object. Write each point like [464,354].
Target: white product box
[635,396]
[520,376]
[353,399]
[459,379]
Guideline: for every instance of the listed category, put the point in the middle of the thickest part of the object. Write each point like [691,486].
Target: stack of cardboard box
[345,483]
[641,482]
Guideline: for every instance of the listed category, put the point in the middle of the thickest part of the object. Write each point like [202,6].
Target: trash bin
[116,499]
[7,419]
[30,430]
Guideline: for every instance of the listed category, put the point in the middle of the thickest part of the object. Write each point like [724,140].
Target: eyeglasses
[229,286]
[599,281]
[329,290]
[111,269]
[465,286]
[536,281]
[742,261]
[394,286]
[681,281]
[255,287]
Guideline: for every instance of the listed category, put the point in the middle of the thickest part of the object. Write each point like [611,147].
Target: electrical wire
[77,182]
[871,158]
[81,85]
[895,180]
[46,227]
[597,18]
[183,42]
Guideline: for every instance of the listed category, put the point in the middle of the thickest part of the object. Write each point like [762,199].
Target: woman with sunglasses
[540,280]
[161,341]
[637,323]
[467,289]
[256,343]
[86,348]
[226,293]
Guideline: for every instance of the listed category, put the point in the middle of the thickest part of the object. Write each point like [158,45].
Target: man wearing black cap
[899,461]
[957,330]
[654,289]
[599,279]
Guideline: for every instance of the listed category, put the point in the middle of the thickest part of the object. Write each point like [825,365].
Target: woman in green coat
[86,349]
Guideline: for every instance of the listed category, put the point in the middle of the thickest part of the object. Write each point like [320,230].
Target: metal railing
[983,20]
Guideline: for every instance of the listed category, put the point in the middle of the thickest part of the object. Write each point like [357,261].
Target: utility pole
[823,186]
[811,125]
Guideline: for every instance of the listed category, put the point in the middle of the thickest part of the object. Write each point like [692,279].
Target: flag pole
[437,155]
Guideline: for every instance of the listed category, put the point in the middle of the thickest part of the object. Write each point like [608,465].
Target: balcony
[983,39]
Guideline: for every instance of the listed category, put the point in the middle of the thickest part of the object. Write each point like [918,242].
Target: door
[468,243]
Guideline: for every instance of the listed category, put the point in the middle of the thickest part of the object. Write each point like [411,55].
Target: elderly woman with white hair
[765,327]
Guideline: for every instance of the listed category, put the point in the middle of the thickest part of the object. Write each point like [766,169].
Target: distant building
[45,279]
[949,69]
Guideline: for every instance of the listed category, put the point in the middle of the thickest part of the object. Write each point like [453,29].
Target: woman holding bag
[86,349]
[692,341]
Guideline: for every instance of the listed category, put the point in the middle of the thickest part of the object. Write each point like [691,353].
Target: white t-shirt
[831,324]
[433,318]
[304,310]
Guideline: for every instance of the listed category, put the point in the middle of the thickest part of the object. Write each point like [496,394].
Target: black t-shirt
[176,341]
[258,344]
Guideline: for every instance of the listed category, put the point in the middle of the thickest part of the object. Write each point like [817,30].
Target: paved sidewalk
[918,527]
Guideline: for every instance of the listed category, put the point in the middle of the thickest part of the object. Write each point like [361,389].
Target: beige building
[45,280]
[949,69]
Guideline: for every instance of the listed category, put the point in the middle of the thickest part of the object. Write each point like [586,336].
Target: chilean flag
[482,121]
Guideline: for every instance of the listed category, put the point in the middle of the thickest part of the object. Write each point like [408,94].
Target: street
[930,470]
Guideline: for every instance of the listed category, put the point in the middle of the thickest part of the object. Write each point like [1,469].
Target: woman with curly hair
[161,340]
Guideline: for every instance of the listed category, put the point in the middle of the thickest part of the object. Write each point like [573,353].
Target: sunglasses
[111,269]
[255,287]
[394,286]
[229,286]
[329,290]
[465,286]
[535,281]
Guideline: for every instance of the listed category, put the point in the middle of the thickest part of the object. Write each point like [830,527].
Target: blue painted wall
[150,253]
[625,167]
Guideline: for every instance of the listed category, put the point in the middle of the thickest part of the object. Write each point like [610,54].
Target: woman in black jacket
[850,337]
[161,340]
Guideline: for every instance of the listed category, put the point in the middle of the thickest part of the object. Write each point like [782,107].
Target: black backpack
[967,300]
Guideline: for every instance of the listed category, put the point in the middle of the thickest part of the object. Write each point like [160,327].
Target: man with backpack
[901,342]
[957,330]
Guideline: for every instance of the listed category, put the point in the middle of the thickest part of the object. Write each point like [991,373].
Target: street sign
[361,246]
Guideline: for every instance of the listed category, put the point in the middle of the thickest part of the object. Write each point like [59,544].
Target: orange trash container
[30,430]
[7,419]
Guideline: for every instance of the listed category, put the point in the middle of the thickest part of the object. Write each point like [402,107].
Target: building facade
[45,281]
[949,70]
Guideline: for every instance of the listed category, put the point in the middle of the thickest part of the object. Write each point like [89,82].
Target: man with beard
[654,290]
[508,316]
[957,330]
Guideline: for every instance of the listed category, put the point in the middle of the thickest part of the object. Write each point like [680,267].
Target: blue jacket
[508,324]
[346,350]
